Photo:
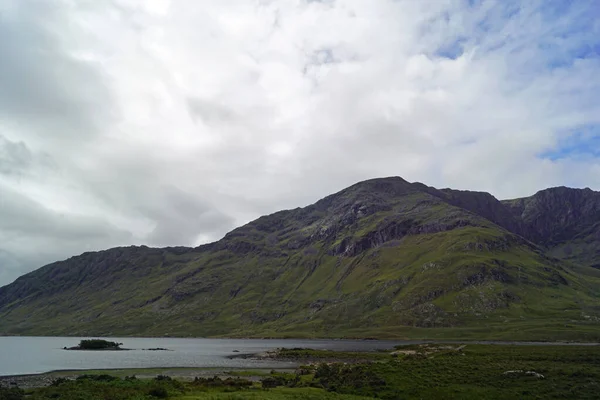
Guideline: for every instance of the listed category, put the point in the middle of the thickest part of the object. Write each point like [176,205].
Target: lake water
[31,355]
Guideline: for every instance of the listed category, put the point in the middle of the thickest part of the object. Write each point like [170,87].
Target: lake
[31,355]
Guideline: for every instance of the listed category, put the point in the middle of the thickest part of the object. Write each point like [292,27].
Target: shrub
[305,370]
[346,378]
[274,381]
[98,378]
[11,393]
[270,382]
[98,344]
[159,392]
[218,382]
[59,381]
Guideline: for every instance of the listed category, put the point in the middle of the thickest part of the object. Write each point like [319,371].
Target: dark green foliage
[306,369]
[269,383]
[159,392]
[98,344]
[13,393]
[357,379]
[102,387]
[472,372]
[274,381]
[99,378]
[216,382]
[59,381]
[310,354]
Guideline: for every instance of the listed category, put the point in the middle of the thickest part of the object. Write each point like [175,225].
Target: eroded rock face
[557,214]
[564,221]
[485,205]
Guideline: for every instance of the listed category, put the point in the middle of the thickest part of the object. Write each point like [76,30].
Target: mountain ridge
[383,257]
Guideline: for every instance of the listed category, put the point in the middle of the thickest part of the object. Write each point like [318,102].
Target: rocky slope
[565,221]
[384,258]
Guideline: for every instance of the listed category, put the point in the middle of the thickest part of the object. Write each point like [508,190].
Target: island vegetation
[432,371]
[96,344]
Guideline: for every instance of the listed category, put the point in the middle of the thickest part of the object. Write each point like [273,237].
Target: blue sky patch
[584,143]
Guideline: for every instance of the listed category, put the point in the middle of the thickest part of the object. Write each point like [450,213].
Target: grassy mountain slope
[382,258]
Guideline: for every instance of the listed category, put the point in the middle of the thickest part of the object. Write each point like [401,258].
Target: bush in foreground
[11,393]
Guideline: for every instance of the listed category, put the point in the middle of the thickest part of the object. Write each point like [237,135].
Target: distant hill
[382,258]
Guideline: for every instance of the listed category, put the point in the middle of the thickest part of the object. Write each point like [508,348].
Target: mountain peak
[389,185]
[566,189]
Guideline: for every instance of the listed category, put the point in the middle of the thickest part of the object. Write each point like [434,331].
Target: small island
[96,344]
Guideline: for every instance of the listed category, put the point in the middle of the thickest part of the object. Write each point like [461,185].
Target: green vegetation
[474,371]
[12,393]
[434,371]
[97,344]
[319,355]
[101,387]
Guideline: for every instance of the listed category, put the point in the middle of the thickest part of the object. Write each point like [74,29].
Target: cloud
[165,122]
[15,157]
[32,234]
[181,217]
[47,88]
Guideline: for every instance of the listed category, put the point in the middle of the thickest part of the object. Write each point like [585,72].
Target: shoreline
[346,339]
[333,339]
[77,371]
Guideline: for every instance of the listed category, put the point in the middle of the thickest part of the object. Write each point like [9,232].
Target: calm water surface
[30,355]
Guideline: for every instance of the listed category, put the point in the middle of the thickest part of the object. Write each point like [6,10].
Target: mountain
[382,258]
[565,221]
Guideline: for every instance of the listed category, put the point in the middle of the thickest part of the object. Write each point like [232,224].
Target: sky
[170,122]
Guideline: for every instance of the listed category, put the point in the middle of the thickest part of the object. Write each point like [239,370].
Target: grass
[310,354]
[272,394]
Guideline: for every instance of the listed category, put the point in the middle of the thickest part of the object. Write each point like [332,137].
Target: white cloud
[173,121]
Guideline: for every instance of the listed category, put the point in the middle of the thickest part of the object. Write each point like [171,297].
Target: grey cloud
[15,157]
[15,264]
[17,160]
[181,217]
[209,111]
[22,216]
[140,188]
[185,230]
[32,235]
[44,89]
[11,268]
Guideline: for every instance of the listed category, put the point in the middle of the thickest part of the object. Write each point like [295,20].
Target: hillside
[382,258]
